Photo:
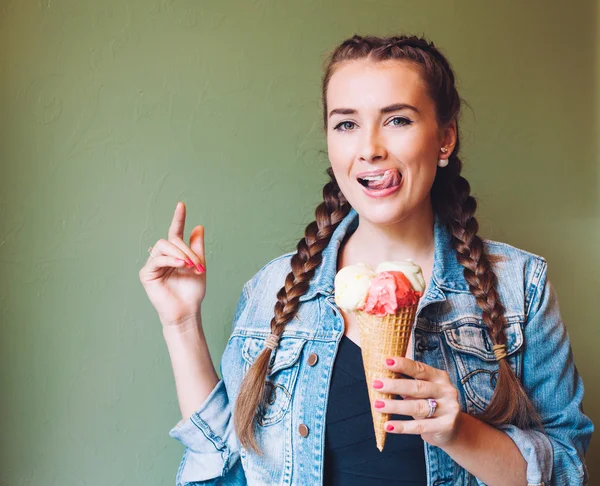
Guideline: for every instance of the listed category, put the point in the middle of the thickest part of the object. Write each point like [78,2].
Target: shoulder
[274,271]
[505,248]
[261,296]
[508,257]
[518,271]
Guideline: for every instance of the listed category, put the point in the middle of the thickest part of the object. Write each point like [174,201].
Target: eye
[405,121]
[339,125]
[397,121]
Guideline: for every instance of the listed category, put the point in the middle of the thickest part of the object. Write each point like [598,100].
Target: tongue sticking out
[390,179]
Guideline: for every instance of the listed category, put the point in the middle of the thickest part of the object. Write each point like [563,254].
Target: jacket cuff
[204,434]
[537,451]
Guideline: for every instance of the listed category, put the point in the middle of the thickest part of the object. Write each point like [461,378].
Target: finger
[417,427]
[197,243]
[415,369]
[156,264]
[164,247]
[411,388]
[179,243]
[178,222]
[416,408]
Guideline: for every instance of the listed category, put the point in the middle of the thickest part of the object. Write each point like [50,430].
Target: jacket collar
[447,271]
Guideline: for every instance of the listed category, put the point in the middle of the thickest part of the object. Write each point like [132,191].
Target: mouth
[380,180]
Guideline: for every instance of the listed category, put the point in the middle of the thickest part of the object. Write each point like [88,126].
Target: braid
[458,213]
[305,261]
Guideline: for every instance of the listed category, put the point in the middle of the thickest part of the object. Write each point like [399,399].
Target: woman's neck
[372,243]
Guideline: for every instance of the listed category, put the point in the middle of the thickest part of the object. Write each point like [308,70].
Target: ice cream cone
[382,337]
[385,304]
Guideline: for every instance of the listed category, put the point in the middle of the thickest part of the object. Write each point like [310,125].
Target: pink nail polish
[390,362]
[200,268]
[377,384]
[379,404]
[389,428]
[189,262]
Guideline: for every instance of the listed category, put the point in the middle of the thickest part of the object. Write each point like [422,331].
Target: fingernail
[390,362]
[200,268]
[379,404]
[389,428]
[189,262]
[377,384]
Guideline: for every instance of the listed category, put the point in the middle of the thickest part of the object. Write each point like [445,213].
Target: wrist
[486,452]
[463,423]
[190,324]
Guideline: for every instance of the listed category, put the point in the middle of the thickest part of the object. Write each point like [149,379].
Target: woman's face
[366,133]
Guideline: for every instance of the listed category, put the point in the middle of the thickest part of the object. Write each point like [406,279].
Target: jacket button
[312,359]
[303,429]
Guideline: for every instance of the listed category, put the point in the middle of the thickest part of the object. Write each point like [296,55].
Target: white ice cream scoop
[408,268]
[351,286]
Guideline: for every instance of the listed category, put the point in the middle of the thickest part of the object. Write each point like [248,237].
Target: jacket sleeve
[554,455]
[211,455]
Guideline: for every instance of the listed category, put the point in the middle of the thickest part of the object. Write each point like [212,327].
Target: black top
[351,454]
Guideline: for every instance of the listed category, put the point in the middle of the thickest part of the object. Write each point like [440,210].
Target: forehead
[364,84]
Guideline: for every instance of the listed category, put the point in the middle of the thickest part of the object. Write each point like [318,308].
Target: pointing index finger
[178,222]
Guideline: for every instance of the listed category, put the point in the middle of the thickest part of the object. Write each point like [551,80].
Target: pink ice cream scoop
[389,291]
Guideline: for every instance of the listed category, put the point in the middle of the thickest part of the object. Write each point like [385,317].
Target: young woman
[488,344]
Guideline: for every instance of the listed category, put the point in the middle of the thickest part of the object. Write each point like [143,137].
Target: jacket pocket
[471,349]
[281,376]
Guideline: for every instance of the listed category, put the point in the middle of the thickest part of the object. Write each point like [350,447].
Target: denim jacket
[448,334]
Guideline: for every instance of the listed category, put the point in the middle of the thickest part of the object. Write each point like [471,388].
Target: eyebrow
[383,111]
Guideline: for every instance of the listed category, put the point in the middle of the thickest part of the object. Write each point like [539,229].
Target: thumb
[197,243]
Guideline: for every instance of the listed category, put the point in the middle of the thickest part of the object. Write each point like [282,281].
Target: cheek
[421,173]
[339,152]
[415,146]
[340,157]
[341,175]
[420,158]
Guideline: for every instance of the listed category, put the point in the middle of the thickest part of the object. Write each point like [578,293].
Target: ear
[448,137]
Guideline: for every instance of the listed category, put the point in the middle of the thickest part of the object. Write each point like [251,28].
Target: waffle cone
[381,337]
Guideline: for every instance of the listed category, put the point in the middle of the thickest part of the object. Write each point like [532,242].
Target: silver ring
[432,406]
[150,251]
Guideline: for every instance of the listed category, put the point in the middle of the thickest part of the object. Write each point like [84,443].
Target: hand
[429,382]
[176,289]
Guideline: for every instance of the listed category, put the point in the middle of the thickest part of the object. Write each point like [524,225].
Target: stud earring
[443,162]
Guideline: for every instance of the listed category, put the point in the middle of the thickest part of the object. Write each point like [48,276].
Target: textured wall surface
[112,111]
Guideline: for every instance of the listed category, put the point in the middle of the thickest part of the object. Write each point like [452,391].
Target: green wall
[112,111]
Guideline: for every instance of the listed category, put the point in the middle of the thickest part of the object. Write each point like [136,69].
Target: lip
[376,172]
[382,192]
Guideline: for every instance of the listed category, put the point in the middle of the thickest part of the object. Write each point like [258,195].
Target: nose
[372,146]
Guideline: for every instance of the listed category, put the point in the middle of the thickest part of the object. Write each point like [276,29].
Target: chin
[381,215]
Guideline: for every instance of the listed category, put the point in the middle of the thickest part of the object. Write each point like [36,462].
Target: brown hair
[451,200]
